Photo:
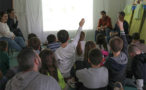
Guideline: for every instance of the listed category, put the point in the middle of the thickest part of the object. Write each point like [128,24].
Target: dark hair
[122,13]
[47,57]
[103,12]
[142,41]
[132,49]
[10,10]
[51,38]
[88,46]
[26,59]
[100,39]
[95,56]
[63,36]
[2,14]
[3,45]
[79,48]
[31,35]
[136,36]
[116,44]
[34,43]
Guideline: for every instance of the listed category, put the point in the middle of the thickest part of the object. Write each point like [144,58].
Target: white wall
[112,7]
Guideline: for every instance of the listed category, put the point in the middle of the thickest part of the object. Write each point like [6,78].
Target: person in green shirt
[4,58]
[49,67]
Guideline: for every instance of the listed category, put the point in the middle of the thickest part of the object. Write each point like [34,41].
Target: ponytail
[79,48]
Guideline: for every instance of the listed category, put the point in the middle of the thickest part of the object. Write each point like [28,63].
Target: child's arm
[77,37]
[123,36]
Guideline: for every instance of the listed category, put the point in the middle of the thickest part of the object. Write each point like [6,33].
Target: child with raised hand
[117,61]
[65,55]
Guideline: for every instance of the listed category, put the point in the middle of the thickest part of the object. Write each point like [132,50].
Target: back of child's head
[34,43]
[48,61]
[88,46]
[136,36]
[100,39]
[133,49]
[63,36]
[31,35]
[116,44]
[82,36]
[3,45]
[95,56]
[51,38]
[122,13]
[79,48]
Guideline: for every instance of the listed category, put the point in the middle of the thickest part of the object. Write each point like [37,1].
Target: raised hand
[120,24]
[82,22]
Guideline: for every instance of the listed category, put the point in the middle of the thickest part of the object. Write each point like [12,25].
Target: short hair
[26,59]
[95,56]
[116,44]
[133,49]
[34,43]
[10,10]
[103,12]
[3,45]
[31,35]
[122,13]
[62,36]
[51,38]
[100,39]
[136,36]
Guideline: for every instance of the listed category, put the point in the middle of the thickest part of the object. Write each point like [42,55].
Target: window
[66,14]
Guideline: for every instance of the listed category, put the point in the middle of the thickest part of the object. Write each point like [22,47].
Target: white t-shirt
[66,56]
[81,58]
[5,31]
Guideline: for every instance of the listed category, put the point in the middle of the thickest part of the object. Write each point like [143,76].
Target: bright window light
[66,14]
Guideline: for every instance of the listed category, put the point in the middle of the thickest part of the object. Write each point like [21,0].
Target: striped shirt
[53,46]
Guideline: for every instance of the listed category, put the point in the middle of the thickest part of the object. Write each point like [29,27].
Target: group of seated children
[78,64]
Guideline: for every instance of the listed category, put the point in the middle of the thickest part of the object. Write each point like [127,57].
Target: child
[96,76]
[80,47]
[49,67]
[4,58]
[100,40]
[31,35]
[52,42]
[35,44]
[136,41]
[138,66]
[65,55]
[117,61]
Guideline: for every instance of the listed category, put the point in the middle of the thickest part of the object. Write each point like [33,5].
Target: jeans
[107,32]
[18,42]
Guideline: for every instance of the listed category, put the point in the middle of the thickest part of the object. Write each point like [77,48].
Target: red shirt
[106,22]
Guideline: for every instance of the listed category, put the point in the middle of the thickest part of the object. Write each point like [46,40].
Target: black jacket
[139,66]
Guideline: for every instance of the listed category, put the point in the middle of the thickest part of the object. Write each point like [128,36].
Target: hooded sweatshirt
[32,81]
[117,65]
